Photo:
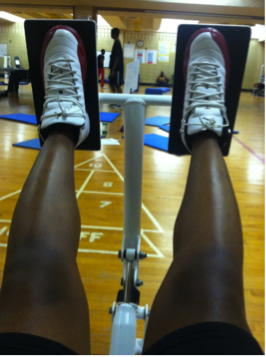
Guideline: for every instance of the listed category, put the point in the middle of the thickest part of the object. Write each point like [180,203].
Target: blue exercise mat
[3,84]
[158,91]
[30,144]
[33,144]
[164,89]
[165,128]
[108,117]
[24,118]
[157,121]
[31,119]
[23,83]
[156,141]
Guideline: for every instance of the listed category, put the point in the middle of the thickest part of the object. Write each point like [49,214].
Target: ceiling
[144,15]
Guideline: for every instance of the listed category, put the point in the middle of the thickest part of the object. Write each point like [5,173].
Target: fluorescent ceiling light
[101,21]
[170,25]
[9,17]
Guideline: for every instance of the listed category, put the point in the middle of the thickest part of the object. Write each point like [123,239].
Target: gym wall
[12,34]
[256,58]
[150,72]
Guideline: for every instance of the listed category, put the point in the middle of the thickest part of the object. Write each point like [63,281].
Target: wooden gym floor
[100,197]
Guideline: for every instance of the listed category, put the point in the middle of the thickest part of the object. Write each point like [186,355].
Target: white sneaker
[206,71]
[64,69]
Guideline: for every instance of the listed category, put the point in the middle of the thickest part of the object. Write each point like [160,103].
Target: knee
[37,264]
[213,272]
[37,272]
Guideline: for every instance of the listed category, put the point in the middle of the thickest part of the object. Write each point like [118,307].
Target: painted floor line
[105,193]
[11,194]
[250,150]
[150,231]
[96,170]
[159,253]
[98,251]
[4,245]
[152,218]
[85,162]
[104,228]
[84,184]
[97,227]
[81,190]
[118,229]
[111,164]
[154,256]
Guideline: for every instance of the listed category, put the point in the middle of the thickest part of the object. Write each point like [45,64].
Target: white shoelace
[205,77]
[61,78]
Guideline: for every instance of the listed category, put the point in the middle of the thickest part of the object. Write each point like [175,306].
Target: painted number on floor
[93,236]
[108,184]
[105,203]
[96,166]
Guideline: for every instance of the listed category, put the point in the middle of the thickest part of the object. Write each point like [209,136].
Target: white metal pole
[123,335]
[134,124]
[110,98]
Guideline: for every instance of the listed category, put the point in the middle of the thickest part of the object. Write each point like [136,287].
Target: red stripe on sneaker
[221,42]
[80,51]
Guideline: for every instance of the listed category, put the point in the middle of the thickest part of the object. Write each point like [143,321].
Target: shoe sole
[81,52]
[220,41]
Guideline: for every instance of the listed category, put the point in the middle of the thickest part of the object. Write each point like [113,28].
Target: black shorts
[209,338]
[117,79]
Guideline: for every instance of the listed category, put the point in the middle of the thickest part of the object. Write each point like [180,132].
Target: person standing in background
[101,67]
[116,63]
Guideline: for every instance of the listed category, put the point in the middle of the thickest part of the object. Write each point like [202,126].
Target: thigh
[208,338]
[112,84]
[42,294]
[197,288]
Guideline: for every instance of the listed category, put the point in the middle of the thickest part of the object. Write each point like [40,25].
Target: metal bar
[128,282]
[110,98]
[134,125]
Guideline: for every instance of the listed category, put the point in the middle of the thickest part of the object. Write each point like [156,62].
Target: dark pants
[15,77]
[162,84]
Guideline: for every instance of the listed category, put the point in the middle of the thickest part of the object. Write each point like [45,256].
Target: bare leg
[204,282]
[112,88]
[42,292]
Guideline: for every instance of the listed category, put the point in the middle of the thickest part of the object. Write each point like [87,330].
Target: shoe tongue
[57,87]
[207,89]
[206,113]
[64,105]
[63,65]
